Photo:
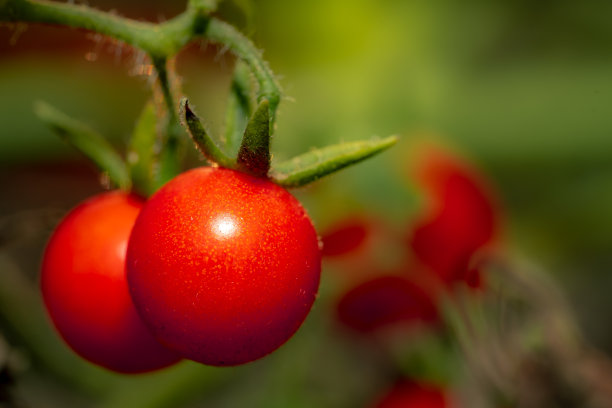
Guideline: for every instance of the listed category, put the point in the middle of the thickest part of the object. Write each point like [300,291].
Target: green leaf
[239,108]
[141,153]
[311,166]
[88,142]
[205,144]
[254,153]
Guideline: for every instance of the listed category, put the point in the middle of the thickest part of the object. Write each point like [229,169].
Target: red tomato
[223,266]
[462,217]
[411,395]
[385,301]
[85,290]
[345,237]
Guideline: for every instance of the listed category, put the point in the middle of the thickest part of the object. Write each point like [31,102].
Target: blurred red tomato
[344,237]
[412,395]
[462,217]
[385,301]
[357,247]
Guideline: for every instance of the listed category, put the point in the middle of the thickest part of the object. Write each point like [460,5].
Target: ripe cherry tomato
[85,289]
[412,395]
[385,301]
[223,266]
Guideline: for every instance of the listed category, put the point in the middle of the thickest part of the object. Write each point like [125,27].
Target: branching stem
[160,41]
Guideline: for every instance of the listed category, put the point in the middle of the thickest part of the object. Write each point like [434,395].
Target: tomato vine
[161,42]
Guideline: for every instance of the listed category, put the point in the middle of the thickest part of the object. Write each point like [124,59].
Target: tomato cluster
[222,268]
[438,251]
[459,220]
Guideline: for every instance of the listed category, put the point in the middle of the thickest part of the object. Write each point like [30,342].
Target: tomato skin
[223,266]
[85,290]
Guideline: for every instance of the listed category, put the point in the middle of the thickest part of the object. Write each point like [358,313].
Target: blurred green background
[522,88]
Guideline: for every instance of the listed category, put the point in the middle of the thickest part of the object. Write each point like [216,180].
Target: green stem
[141,151]
[158,40]
[169,161]
[160,65]
[223,33]
[239,108]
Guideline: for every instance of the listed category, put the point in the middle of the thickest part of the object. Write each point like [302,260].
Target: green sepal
[239,108]
[88,142]
[254,153]
[311,166]
[203,141]
[141,150]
